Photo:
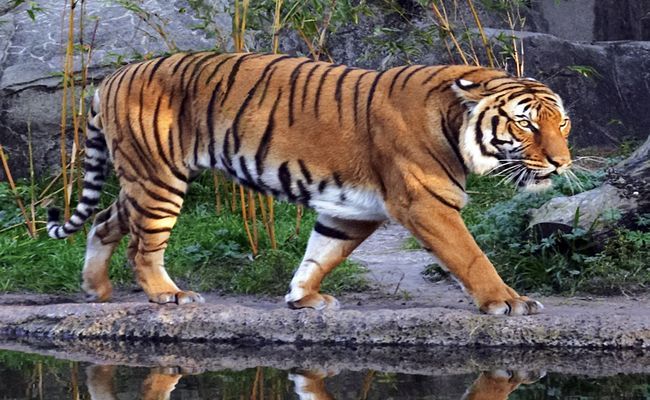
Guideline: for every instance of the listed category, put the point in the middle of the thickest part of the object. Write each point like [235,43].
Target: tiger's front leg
[441,229]
[331,241]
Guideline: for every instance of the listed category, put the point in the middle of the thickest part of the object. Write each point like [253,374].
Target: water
[107,370]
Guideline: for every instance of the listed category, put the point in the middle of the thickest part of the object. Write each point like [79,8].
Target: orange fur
[359,146]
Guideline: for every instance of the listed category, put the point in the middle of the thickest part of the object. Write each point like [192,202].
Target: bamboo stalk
[299,212]
[64,108]
[246,225]
[253,217]
[276,26]
[484,39]
[443,21]
[32,183]
[217,193]
[271,205]
[12,186]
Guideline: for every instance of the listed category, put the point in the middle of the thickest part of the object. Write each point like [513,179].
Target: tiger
[490,385]
[358,146]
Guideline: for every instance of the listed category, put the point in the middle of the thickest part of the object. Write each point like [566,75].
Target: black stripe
[447,171]
[410,75]
[265,142]
[210,124]
[434,89]
[322,185]
[356,97]
[479,134]
[307,82]
[143,211]
[337,92]
[285,180]
[225,151]
[151,231]
[217,67]
[266,86]
[330,232]
[320,87]
[435,73]
[371,94]
[93,186]
[155,68]
[171,213]
[88,167]
[305,171]
[395,77]
[158,197]
[233,75]
[251,93]
[181,61]
[452,141]
[305,195]
[337,179]
[292,87]
[103,216]
[250,182]
[437,196]
[88,201]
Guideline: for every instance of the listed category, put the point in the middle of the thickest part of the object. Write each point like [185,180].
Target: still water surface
[31,376]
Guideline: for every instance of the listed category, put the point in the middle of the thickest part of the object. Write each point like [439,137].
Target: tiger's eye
[524,123]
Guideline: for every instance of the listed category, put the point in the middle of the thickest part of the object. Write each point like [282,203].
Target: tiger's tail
[95,169]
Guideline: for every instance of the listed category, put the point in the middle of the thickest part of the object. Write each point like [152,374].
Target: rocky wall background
[590,51]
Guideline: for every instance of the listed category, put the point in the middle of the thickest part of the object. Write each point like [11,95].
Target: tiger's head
[516,127]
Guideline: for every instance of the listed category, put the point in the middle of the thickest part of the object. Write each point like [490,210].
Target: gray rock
[594,209]
[626,195]
[32,54]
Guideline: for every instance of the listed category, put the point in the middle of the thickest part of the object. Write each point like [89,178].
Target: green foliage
[206,251]
[585,70]
[564,261]
[33,8]
[498,218]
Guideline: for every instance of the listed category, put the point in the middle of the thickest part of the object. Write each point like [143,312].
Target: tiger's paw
[516,376]
[180,297]
[514,306]
[97,294]
[316,301]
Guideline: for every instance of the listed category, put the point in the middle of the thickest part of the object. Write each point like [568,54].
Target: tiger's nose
[561,163]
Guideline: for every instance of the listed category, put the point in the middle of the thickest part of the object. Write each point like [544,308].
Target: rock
[625,195]
[595,208]
[32,55]
[589,20]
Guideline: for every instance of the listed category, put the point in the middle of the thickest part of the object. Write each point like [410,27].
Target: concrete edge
[236,323]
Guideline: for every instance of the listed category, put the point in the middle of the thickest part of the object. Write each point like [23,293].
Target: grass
[206,252]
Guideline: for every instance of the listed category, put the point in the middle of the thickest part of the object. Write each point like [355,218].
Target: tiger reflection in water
[308,385]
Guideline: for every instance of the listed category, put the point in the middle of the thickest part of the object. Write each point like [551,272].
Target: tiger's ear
[469,92]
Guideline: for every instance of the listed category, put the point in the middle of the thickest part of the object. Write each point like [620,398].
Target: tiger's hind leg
[331,241]
[109,228]
[150,222]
